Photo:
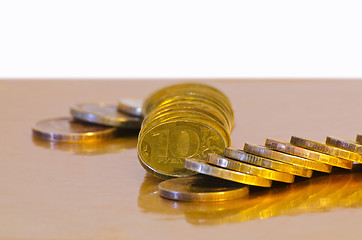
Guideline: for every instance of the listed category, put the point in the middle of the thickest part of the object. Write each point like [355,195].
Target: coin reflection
[115,145]
[340,189]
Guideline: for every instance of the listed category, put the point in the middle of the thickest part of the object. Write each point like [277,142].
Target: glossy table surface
[70,191]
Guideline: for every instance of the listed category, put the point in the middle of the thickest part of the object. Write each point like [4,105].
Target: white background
[178,39]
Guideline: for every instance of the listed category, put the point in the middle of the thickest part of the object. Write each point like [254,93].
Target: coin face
[131,106]
[203,167]
[67,129]
[309,154]
[104,114]
[201,188]
[242,156]
[164,146]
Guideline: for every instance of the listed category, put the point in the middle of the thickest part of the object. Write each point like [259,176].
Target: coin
[227,163]
[186,105]
[182,88]
[207,169]
[164,146]
[267,163]
[359,139]
[130,106]
[202,189]
[344,144]
[324,148]
[66,129]
[282,157]
[309,154]
[198,99]
[104,114]
[205,120]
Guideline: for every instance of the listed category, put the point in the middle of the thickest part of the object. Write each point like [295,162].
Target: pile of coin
[183,121]
[91,122]
[260,165]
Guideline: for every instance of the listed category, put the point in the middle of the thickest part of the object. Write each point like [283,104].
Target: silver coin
[130,106]
[202,189]
[104,114]
[66,129]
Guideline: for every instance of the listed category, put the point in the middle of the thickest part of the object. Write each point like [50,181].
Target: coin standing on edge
[309,154]
[324,148]
[207,169]
[104,114]
[287,158]
[131,106]
[66,129]
[201,189]
[359,138]
[238,166]
[242,156]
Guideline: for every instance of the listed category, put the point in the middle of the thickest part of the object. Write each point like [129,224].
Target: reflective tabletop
[51,190]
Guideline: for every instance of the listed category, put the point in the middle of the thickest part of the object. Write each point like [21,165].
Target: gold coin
[189,117]
[345,144]
[282,157]
[227,163]
[195,98]
[164,146]
[67,129]
[201,189]
[309,154]
[185,87]
[186,109]
[207,169]
[267,163]
[183,105]
[324,148]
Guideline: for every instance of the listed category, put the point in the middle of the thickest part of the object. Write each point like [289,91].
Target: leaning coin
[345,144]
[207,169]
[309,154]
[130,106]
[201,189]
[104,114]
[359,138]
[227,163]
[302,162]
[67,129]
[242,156]
[324,148]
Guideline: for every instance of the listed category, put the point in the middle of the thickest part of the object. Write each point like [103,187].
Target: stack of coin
[91,122]
[183,121]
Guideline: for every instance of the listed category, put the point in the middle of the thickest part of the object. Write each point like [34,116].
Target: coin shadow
[123,141]
[321,193]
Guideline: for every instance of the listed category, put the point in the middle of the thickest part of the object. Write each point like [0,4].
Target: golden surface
[70,191]
[309,154]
